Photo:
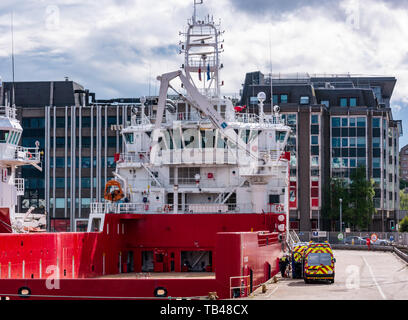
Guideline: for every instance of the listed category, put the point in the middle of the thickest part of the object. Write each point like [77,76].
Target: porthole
[24,292]
[160,292]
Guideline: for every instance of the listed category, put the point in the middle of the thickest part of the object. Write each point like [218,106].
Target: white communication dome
[261,96]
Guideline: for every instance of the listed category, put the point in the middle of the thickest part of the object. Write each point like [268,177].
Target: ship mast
[202,46]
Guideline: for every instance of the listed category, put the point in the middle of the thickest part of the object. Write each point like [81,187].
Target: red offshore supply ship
[198,208]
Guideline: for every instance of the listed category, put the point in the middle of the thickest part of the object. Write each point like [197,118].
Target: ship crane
[201,103]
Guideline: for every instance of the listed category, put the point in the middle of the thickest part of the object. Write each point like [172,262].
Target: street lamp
[341,223]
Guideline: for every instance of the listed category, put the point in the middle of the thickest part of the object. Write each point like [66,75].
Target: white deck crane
[201,103]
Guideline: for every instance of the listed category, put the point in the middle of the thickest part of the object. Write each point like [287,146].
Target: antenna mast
[270,61]
[12,58]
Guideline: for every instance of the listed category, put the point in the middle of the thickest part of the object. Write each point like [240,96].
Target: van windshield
[317,259]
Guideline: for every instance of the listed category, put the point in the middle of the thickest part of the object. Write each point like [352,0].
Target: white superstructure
[195,153]
[11,157]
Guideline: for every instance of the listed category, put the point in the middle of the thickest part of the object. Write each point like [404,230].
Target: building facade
[65,189]
[404,163]
[339,122]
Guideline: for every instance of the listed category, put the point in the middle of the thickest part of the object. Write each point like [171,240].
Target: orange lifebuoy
[115,195]
[30,156]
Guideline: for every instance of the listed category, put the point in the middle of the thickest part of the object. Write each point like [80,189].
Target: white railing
[185,116]
[19,183]
[140,120]
[140,157]
[119,208]
[254,118]
[27,154]
[8,112]
[145,208]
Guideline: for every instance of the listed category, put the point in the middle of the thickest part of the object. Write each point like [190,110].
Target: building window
[315,119]
[85,203]
[325,102]
[111,162]
[376,163]
[315,140]
[361,122]
[335,142]
[315,161]
[304,100]
[314,129]
[85,183]
[361,142]
[275,99]
[353,102]
[335,122]
[343,102]
[86,162]
[344,122]
[336,162]
[376,122]
[60,203]
[284,98]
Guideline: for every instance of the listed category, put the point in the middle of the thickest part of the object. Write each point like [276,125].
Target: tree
[357,200]
[403,200]
[403,184]
[335,190]
[403,225]
[361,199]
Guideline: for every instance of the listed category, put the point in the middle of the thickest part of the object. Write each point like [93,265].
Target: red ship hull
[78,265]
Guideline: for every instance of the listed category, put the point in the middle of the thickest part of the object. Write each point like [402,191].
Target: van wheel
[332,281]
[307,281]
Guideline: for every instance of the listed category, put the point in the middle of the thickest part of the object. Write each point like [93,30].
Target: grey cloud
[278,8]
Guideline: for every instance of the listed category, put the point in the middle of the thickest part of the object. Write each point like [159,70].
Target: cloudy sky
[116,48]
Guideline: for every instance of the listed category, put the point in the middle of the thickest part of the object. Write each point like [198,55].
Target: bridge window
[280,136]
[4,135]
[129,138]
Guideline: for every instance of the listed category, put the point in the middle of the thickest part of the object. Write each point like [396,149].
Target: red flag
[239,108]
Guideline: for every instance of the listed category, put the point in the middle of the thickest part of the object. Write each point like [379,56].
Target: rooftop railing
[9,112]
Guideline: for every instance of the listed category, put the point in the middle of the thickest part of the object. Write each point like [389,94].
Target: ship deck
[160,275]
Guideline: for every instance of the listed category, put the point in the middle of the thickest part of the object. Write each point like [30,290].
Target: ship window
[280,136]
[129,138]
[4,135]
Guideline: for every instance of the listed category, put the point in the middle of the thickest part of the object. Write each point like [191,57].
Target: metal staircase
[228,191]
[292,239]
[152,175]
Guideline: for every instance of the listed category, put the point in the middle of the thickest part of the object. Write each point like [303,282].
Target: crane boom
[201,103]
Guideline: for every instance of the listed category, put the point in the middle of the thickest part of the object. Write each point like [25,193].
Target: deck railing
[27,154]
[145,208]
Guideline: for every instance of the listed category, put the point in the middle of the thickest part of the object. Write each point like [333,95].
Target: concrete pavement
[360,275]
